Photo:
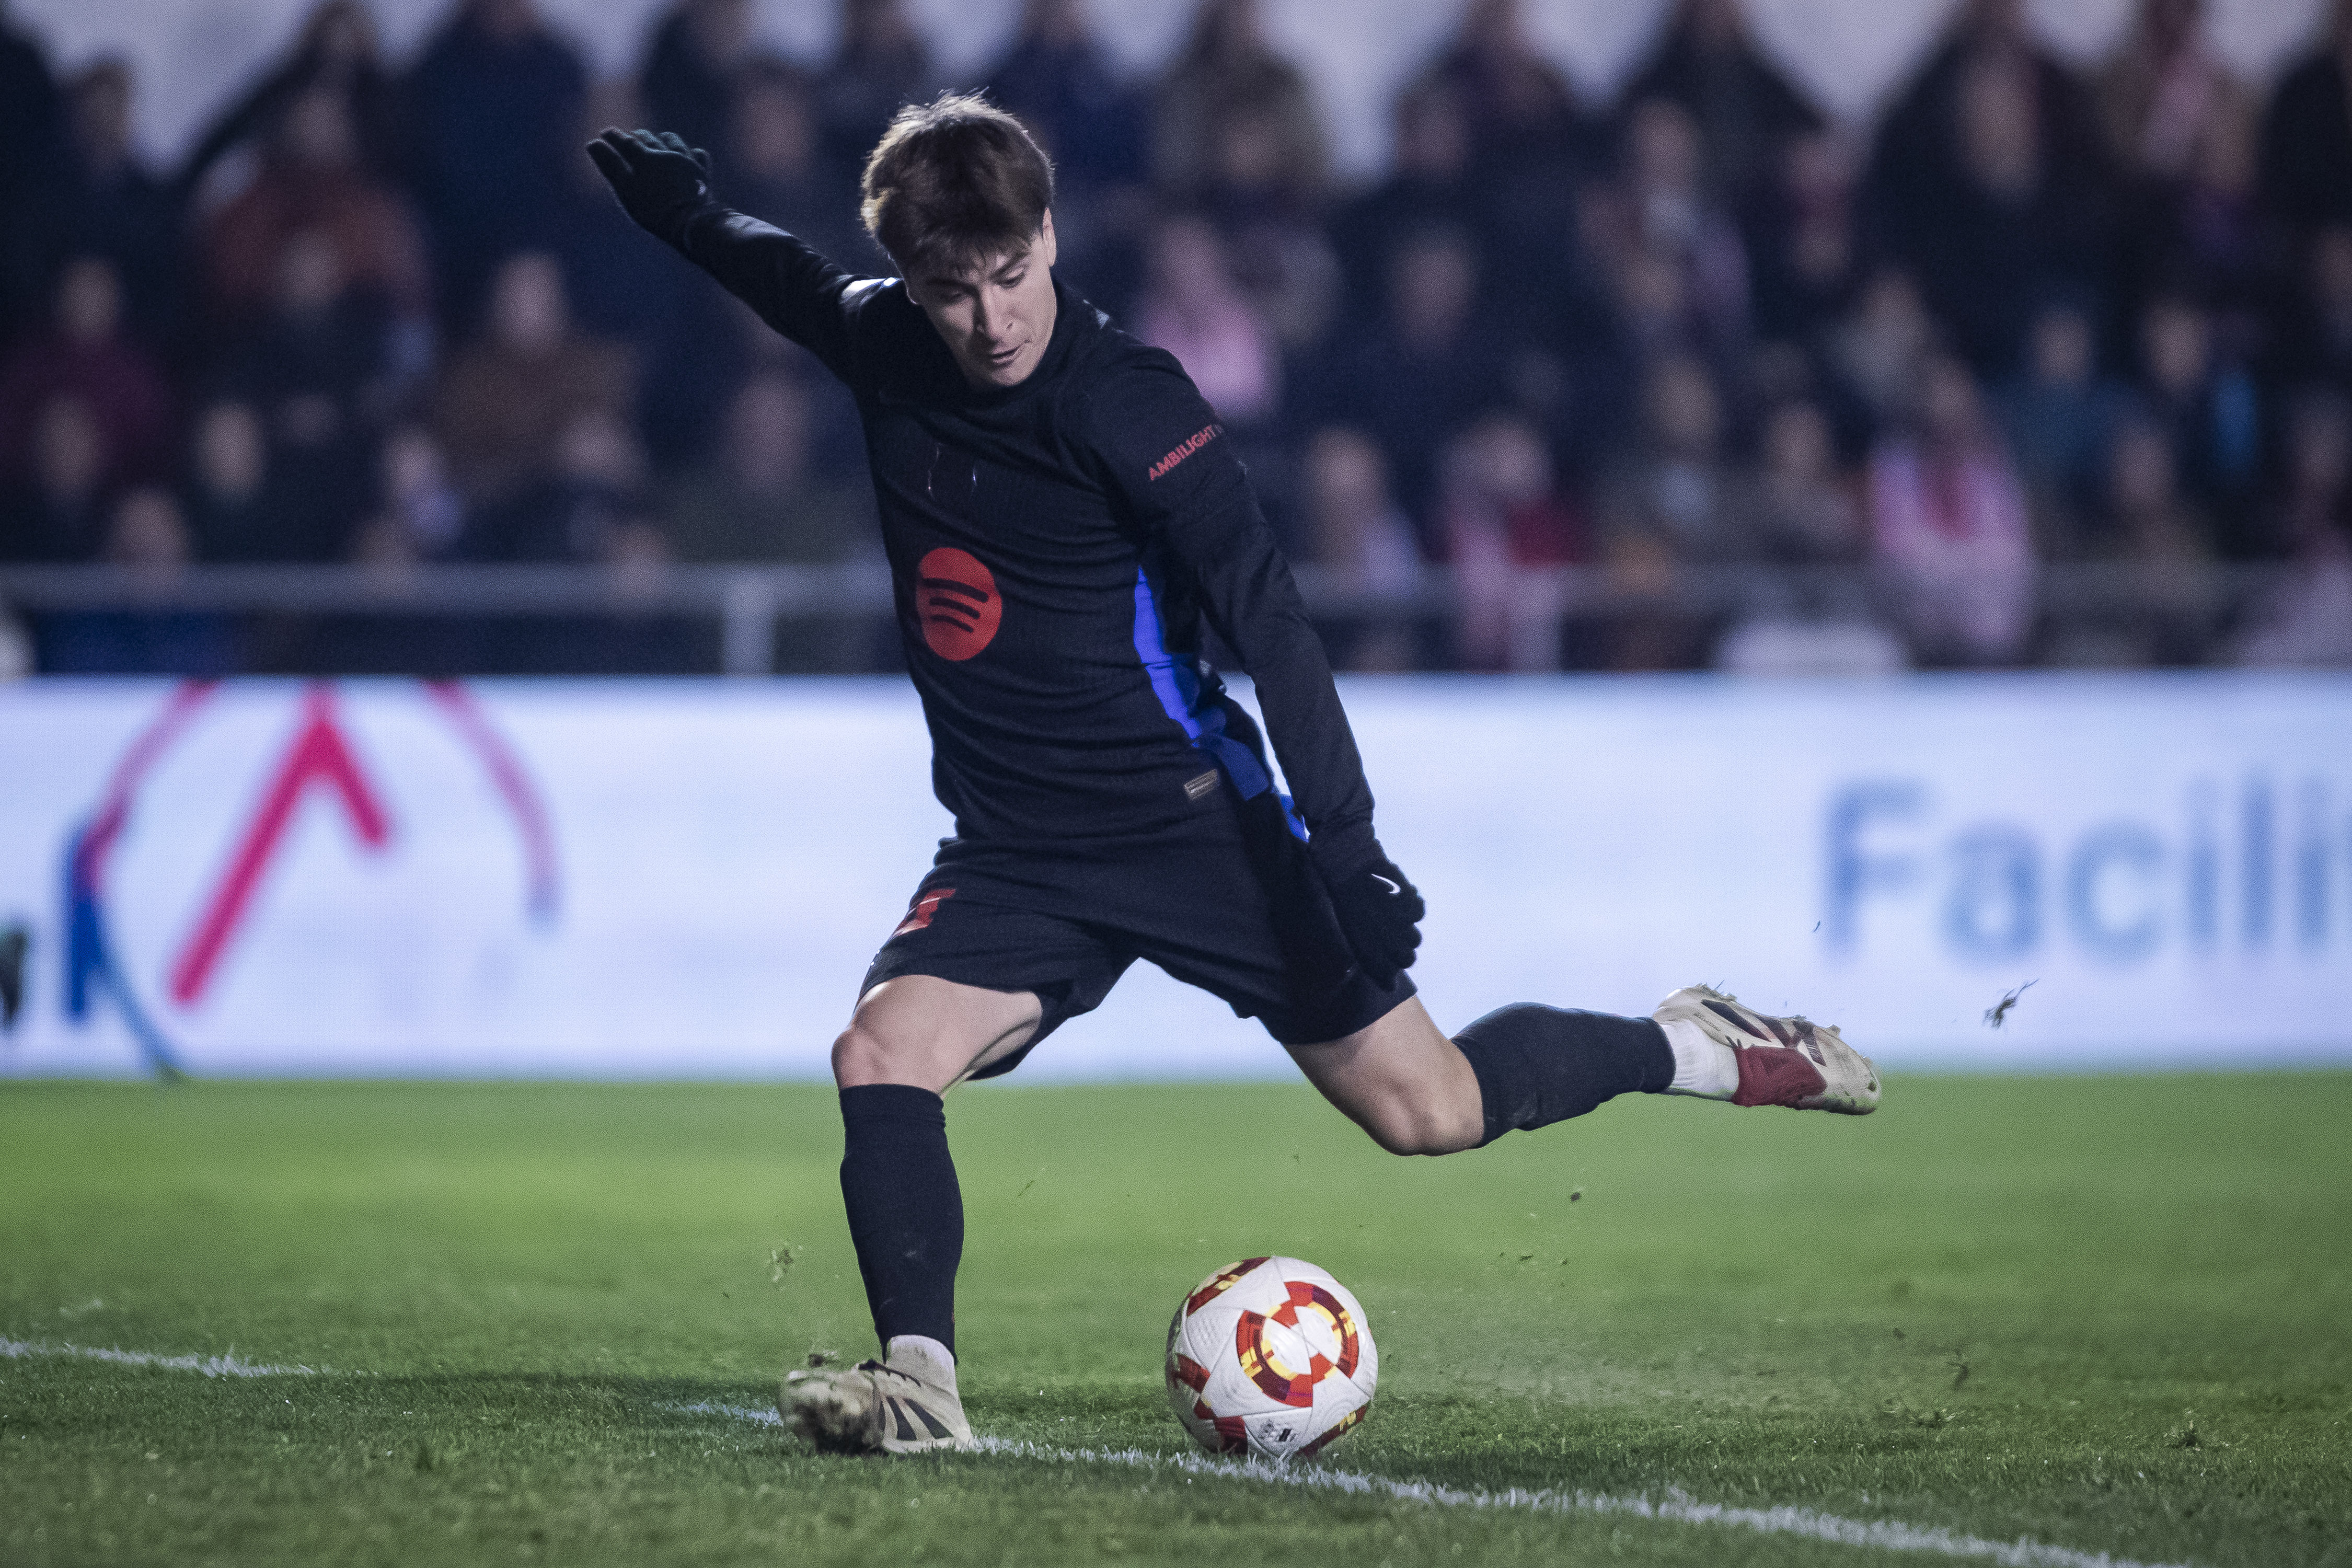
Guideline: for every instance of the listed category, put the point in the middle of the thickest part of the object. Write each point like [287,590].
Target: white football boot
[903,1403]
[1792,1061]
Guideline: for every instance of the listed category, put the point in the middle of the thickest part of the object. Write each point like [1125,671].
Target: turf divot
[1887,1535]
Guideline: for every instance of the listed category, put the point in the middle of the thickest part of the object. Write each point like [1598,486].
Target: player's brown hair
[953,184]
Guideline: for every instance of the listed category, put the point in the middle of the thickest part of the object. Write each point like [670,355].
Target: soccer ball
[1270,1357]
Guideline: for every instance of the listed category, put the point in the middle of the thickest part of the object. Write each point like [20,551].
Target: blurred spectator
[311,182]
[2205,230]
[1531,141]
[1272,222]
[2058,414]
[1646,316]
[775,173]
[85,355]
[1356,530]
[1428,184]
[880,65]
[1422,371]
[2307,618]
[2147,518]
[1807,515]
[1679,495]
[587,505]
[1988,178]
[57,510]
[1230,111]
[1062,83]
[2162,91]
[624,285]
[2209,406]
[1744,110]
[121,211]
[591,508]
[2308,133]
[2315,507]
[2316,340]
[493,110]
[33,158]
[1805,511]
[1238,137]
[337,53]
[759,498]
[1508,533]
[693,63]
[326,369]
[695,344]
[420,516]
[1066,88]
[1874,354]
[238,509]
[1523,114]
[147,539]
[1193,309]
[1805,254]
[1948,525]
[2146,524]
[1658,211]
[505,404]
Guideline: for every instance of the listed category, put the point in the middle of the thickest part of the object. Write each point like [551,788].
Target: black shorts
[1229,903]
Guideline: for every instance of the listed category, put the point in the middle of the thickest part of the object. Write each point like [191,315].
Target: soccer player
[1064,520]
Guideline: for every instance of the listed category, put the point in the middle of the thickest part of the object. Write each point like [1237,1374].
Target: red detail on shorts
[957,602]
[919,912]
[1774,1075]
[1185,448]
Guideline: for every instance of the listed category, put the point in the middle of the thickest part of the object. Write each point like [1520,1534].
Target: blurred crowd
[386,313]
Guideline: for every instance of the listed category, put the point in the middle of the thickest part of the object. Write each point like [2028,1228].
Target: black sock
[1539,1065]
[906,1212]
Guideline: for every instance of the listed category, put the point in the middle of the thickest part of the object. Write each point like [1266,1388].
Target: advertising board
[687,878]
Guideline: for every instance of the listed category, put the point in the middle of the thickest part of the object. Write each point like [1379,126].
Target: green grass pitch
[2110,1314]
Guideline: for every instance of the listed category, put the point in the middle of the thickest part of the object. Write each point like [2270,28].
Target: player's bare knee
[1402,1124]
[860,1056]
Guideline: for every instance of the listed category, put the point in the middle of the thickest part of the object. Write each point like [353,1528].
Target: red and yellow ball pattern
[1270,1357]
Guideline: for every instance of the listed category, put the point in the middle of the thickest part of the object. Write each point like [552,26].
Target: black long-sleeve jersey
[1055,547]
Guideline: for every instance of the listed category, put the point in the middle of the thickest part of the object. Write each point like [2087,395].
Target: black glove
[1379,913]
[659,180]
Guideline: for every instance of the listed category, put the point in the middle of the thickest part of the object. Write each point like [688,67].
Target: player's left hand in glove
[659,180]
[1379,913]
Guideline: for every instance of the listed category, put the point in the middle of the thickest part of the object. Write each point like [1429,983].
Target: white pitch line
[209,1366]
[1886,1535]
[1679,1509]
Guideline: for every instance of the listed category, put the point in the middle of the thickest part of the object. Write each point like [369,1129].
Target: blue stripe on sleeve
[1177,683]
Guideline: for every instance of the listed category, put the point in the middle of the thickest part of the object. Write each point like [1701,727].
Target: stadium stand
[2040,367]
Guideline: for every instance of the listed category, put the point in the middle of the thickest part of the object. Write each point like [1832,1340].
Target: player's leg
[923,1032]
[1528,1065]
[910,1039]
[1417,1093]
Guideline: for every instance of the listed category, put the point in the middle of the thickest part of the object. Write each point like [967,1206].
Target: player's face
[995,318]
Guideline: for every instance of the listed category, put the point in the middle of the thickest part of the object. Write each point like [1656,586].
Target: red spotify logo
[956,598]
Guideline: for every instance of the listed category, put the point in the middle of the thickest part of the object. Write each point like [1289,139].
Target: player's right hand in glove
[659,180]
[1379,913]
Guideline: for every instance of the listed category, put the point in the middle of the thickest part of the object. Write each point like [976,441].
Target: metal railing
[747,601]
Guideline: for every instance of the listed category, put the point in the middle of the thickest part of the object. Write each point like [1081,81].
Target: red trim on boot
[1773,1075]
